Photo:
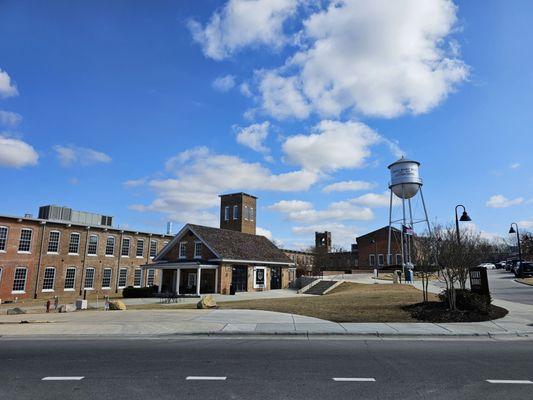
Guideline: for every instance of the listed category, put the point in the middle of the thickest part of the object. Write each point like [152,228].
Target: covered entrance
[275,278]
[239,279]
[188,278]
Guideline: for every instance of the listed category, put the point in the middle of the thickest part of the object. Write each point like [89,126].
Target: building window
[125,251]
[381,259]
[70,278]
[93,245]
[3,238]
[150,277]
[19,280]
[106,278]
[137,278]
[251,210]
[389,259]
[74,243]
[197,250]
[398,259]
[372,260]
[49,278]
[53,242]
[140,248]
[89,278]
[153,248]
[235,213]
[183,250]
[25,240]
[122,278]
[110,246]
[245,213]
[226,213]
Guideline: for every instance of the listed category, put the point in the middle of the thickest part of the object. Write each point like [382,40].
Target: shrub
[468,301]
[131,292]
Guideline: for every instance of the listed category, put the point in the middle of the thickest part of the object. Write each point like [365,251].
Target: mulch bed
[437,311]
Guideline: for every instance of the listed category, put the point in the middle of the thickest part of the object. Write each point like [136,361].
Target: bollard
[48,306]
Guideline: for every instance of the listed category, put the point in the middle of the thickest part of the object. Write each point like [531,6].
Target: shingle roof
[233,245]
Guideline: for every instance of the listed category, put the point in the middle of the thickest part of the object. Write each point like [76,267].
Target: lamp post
[464,218]
[512,230]
[372,241]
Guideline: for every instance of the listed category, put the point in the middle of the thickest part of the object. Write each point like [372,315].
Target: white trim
[23,252]
[178,237]
[182,256]
[69,290]
[194,249]
[47,290]
[251,261]
[264,285]
[18,291]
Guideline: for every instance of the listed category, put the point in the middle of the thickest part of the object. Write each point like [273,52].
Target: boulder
[64,308]
[15,311]
[117,305]
[207,302]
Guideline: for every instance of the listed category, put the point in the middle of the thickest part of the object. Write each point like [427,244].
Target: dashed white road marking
[205,378]
[519,382]
[62,378]
[354,379]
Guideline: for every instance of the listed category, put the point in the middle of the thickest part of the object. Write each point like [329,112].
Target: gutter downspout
[119,258]
[43,223]
[84,259]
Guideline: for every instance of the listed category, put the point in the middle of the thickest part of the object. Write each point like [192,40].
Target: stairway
[320,287]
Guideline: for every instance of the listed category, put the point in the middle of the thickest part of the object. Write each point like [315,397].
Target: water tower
[405,184]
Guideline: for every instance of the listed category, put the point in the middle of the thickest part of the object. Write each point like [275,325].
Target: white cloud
[375,200]
[8,118]
[245,90]
[500,201]
[7,87]
[526,224]
[287,206]
[243,23]
[224,83]
[74,155]
[337,211]
[348,186]
[263,232]
[332,146]
[253,136]
[379,58]
[514,166]
[135,182]
[16,153]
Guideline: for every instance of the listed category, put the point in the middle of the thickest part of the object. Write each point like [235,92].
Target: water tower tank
[405,180]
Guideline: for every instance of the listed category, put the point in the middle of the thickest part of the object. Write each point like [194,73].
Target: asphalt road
[264,369]
[503,286]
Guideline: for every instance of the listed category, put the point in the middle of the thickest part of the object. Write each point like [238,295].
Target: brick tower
[238,212]
[323,242]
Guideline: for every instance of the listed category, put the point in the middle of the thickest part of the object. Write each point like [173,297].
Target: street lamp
[464,218]
[372,241]
[512,230]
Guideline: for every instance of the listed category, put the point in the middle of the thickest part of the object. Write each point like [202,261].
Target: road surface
[265,369]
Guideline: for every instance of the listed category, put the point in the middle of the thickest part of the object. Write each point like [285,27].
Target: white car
[488,265]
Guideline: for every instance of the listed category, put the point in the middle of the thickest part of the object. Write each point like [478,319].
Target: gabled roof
[394,229]
[233,245]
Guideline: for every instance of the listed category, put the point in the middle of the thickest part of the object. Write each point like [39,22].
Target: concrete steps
[321,287]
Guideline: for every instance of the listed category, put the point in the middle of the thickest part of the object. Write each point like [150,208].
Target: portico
[188,278]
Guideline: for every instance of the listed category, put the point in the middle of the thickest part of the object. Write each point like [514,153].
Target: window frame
[226,213]
[140,272]
[137,248]
[48,251]
[182,254]
[74,234]
[196,243]
[85,287]
[128,248]
[89,244]
[381,260]
[106,269]
[70,289]
[149,278]
[119,286]
[372,260]
[107,246]
[152,241]
[45,278]
[4,239]
[21,239]
[399,260]
[245,213]
[23,290]
[235,213]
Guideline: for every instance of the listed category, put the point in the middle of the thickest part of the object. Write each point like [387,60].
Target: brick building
[203,259]
[64,252]
[373,248]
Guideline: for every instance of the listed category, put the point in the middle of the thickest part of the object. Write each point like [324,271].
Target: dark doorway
[275,278]
[239,279]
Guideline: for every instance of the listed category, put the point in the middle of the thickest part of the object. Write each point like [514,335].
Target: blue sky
[146,111]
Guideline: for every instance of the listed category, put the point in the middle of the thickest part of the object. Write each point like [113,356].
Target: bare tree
[423,253]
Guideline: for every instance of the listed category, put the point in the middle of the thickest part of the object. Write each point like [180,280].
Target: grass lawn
[349,302]
[527,281]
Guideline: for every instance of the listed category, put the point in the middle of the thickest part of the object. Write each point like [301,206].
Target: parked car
[487,265]
[500,265]
[510,264]
[524,269]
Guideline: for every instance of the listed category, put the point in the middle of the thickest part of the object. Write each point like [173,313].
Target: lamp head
[465,217]
[512,230]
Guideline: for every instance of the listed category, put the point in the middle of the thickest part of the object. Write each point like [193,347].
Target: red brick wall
[365,247]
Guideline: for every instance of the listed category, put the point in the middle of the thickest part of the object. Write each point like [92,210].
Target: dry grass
[350,302]
[527,281]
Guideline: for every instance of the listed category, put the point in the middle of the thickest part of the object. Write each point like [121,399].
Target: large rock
[117,305]
[207,302]
[15,311]
[67,308]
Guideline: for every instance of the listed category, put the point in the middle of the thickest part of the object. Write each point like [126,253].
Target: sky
[147,111]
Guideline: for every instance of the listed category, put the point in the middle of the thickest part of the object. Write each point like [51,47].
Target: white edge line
[523,382]
[354,379]
[62,378]
[205,378]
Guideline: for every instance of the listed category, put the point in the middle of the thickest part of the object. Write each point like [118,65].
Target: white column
[178,280]
[160,280]
[216,279]
[198,272]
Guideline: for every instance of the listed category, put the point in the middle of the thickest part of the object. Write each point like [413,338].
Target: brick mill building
[373,248]
[203,259]
[64,252]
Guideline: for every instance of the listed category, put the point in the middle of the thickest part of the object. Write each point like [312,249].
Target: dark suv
[524,269]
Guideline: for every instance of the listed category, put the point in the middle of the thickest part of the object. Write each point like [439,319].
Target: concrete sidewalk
[222,323]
